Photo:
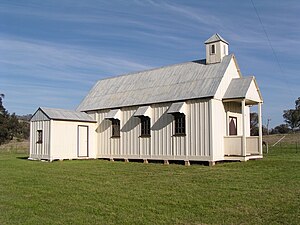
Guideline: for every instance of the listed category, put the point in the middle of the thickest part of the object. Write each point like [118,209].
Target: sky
[53,51]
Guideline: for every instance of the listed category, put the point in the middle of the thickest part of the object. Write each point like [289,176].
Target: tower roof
[216,37]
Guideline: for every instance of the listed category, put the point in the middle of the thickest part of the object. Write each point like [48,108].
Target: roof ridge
[169,85]
[177,81]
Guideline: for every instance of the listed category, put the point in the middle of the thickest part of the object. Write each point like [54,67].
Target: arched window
[212,49]
[232,125]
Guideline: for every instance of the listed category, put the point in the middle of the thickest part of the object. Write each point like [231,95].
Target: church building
[192,111]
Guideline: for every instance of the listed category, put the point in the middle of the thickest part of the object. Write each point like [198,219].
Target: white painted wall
[253,93]
[230,73]
[60,138]
[40,150]
[221,49]
[64,139]
[235,109]
[218,128]
[199,133]
[162,144]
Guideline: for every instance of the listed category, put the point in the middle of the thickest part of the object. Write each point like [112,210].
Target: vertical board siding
[162,144]
[199,130]
[161,135]
[103,135]
[40,151]
[179,146]
[234,107]
[145,147]
[130,127]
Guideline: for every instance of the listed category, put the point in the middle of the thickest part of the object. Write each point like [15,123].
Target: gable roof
[62,114]
[177,82]
[215,38]
[240,88]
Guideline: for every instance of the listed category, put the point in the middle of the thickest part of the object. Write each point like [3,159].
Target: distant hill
[24,117]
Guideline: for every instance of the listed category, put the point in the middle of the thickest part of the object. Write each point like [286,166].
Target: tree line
[291,118]
[11,125]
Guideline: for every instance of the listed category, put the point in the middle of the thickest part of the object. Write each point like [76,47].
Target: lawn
[101,192]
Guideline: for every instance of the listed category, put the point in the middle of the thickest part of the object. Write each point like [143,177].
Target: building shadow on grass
[22,157]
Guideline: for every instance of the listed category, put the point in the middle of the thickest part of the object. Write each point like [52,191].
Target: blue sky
[53,51]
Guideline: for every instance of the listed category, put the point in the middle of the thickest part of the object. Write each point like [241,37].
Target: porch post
[259,129]
[244,147]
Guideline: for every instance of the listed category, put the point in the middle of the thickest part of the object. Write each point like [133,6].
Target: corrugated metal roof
[171,83]
[238,88]
[215,38]
[63,114]
[175,107]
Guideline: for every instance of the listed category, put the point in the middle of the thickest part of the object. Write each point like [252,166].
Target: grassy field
[289,139]
[101,192]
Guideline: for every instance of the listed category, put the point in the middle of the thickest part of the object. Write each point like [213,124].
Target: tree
[292,116]
[4,132]
[254,124]
[2,109]
[11,126]
[281,129]
[297,103]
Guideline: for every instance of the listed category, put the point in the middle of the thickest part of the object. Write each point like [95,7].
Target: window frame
[213,49]
[115,128]
[145,130]
[39,137]
[179,124]
[235,119]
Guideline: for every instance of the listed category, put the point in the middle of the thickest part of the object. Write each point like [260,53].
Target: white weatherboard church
[192,111]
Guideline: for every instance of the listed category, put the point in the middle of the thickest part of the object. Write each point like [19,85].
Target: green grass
[101,192]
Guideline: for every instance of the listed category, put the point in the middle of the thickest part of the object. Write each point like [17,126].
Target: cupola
[216,49]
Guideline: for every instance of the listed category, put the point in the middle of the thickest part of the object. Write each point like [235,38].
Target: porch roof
[243,88]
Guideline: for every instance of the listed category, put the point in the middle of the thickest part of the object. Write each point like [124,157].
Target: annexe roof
[177,82]
[63,114]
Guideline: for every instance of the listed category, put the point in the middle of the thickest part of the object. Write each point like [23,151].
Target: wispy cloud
[70,62]
[36,70]
[52,52]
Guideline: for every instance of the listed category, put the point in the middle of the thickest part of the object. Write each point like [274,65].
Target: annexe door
[83,141]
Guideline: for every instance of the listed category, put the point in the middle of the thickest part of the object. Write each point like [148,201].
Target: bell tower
[216,49]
